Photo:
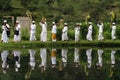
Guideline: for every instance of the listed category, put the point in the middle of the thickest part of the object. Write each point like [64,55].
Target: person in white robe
[43,35]
[54,31]
[77,31]
[89,57]
[76,57]
[64,56]
[32,31]
[100,63]
[100,32]
[113,32]
[89,34]
[17,37]
[113,58]
[17,54]
[65,32]
[32,58]
[4,57]
[43,56]
[5,28]
[53,57]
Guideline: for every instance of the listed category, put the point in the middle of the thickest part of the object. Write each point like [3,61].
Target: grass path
[60,44]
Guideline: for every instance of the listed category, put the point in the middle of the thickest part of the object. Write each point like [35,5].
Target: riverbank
[59,44]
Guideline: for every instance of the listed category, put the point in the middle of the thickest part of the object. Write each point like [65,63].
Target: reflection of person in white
[53,57]
[89,34]
[43,55]
[4,57]
[65,32]
[32,31]
[77,31]
[89,57]
[32,58]
[113,58]
[100,35]
[100,52]
[17,37]
[17,59]
[5,28]
[54,31]
[76,57]
[64,56]
[43,35]
[113,32]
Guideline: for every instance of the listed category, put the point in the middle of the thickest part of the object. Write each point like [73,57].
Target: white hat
[89,22]
[33,21]
[5,21]
[65,23]
[17,21]
[113,23]
[53,22]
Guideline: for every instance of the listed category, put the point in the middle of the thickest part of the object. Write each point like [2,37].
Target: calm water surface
[60,64]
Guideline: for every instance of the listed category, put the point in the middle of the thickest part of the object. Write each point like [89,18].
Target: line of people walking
[64,36]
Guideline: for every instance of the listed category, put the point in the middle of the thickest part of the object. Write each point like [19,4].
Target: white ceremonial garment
[4,36]
[77,33]
[113,32]
[17,37]
[89,34]
[43,35]
[100,33]
[65,33]
[32,32]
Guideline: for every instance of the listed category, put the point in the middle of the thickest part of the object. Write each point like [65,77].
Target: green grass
[61,44]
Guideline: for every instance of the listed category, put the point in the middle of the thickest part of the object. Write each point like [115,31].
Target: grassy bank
[61,44]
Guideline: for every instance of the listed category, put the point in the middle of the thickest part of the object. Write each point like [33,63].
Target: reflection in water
[32,58]
[99,64]
[76,57]
[61,61]
[17,59]
[53,57]
[64,56]
[43,55]
[113,58]
[89,57]
[4,56]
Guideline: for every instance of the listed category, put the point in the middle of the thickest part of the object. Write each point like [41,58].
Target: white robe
[18,37]
[89,57]
[77,33]
[100,33]
[32,32]
[89,34]
[32,58]
[43,35]
[54,31]
[113,32]
[4,36]
[65,33]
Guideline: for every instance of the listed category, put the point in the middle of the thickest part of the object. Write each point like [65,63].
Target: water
[60,64]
